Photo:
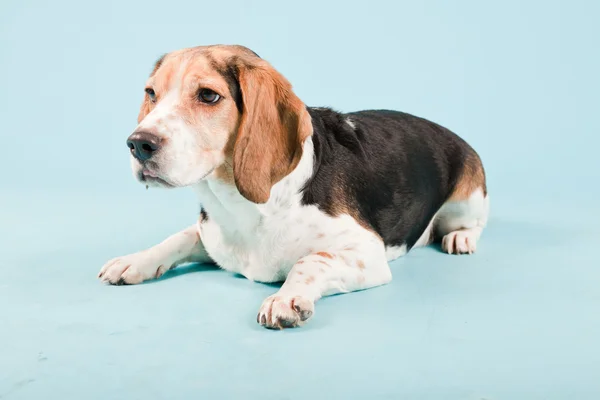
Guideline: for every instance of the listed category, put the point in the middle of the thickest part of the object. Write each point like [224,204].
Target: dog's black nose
[143,145]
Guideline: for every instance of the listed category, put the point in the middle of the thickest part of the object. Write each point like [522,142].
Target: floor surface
[516,320]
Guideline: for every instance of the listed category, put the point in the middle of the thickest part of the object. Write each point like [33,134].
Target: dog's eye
[151,93]
[208,96]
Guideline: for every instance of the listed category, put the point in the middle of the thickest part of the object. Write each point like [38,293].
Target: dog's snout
[143,145]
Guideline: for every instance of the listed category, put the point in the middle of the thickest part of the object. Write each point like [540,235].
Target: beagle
[309,196]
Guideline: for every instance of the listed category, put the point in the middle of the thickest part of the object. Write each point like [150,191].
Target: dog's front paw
[131,269]
[281,311]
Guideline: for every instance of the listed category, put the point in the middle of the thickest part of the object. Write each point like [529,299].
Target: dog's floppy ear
[273,127]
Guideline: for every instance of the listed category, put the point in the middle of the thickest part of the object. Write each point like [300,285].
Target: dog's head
[218,111]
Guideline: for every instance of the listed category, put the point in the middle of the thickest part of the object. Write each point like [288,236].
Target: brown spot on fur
[320,235]
[309,280]
[323,262]
[344,203]
[325,254]
[472,177]
[360,279]
[360,264]
[300,273]
[300,262]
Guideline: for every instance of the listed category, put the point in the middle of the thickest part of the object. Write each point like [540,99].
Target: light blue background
[519,320]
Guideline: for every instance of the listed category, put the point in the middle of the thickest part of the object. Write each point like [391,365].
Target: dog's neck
[227,207]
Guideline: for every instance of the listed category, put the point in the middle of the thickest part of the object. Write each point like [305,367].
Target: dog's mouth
[151,178]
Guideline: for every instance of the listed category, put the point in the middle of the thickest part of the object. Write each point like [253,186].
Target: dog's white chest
[260,253]
[262,242]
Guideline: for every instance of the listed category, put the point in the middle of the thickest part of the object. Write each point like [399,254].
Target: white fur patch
[454,215]
[393,252]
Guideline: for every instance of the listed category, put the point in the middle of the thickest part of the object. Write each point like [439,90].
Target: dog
[315,198]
